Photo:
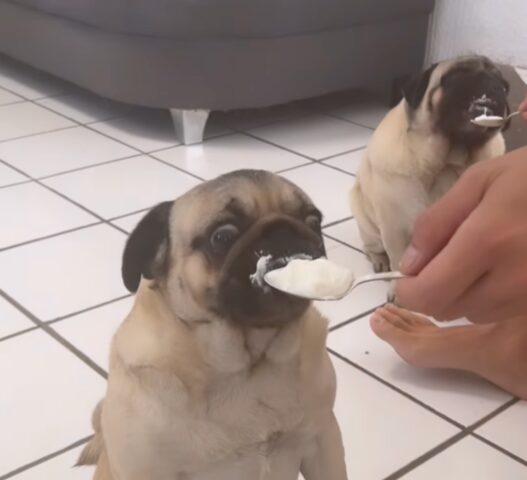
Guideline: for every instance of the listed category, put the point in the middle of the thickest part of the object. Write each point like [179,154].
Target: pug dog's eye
[223,238]
[314,222]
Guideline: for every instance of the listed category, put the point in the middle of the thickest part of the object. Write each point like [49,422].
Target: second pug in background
[422,147]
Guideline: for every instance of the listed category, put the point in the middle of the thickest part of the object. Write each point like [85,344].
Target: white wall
[496,28]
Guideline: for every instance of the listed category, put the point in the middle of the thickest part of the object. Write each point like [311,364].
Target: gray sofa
[194,56]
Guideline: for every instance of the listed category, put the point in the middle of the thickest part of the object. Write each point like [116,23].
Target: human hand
[523,109]
[469,250]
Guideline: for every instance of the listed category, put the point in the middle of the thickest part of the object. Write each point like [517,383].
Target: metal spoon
[373,277]
[492,120]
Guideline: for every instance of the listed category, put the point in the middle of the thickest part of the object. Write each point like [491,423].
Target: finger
[436,226]
[450,273]
[498,294]
[523,109]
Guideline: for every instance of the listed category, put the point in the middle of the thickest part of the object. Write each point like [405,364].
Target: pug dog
[212,376]
[422,147]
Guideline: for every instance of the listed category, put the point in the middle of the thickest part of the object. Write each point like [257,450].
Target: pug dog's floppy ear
[415,88]
[146,251]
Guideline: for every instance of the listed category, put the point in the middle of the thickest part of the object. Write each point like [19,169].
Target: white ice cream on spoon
[489,121]
[316,279]
[485,120]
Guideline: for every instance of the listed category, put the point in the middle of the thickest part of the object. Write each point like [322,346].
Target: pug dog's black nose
[285,238]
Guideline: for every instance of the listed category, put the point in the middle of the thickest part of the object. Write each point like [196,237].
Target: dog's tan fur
[194,397]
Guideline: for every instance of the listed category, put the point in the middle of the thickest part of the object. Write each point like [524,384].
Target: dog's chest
[266,400]
[251,415]
[441,169]
[252,405]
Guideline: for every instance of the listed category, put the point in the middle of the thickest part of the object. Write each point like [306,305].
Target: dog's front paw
[380,261]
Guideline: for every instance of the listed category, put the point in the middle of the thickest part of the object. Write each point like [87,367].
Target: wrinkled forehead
[468,64]
[241,194]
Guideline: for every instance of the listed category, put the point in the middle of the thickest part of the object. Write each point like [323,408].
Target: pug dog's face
[201,250]
[451,94]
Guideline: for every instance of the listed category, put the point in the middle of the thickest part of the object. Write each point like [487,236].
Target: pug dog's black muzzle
[280,237]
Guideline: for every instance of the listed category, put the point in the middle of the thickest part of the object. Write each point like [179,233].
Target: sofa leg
[189,124]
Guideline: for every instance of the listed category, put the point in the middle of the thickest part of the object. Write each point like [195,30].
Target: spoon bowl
[353,284]
[492,121]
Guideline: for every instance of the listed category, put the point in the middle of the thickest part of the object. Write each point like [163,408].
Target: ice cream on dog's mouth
[303,276]
[482,112]
[266,264]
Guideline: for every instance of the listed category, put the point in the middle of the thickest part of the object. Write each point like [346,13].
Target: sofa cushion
[226,18]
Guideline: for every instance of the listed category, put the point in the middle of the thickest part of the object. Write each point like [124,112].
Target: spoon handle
[376,277]
[513,114]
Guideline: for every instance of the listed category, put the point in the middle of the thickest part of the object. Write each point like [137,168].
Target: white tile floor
[76,174]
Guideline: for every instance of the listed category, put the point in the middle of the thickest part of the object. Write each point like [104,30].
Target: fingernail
[376,318]
[410,259]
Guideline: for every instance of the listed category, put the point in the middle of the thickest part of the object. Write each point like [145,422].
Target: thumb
[523,109]
[437,225]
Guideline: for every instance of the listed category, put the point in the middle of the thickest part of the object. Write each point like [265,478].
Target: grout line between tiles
[336,222]
[468,431]
[87,309]
[87,167]
[289,169]
[75,229]
[324,111]
[506,452]
[52,333]
[14,102]
[51,235]
[336,155]
[79,205]
[16,334]
[338,169]
[175,167]
[148,154]
[355,318]
[89,127]
[248,134]
[124,215]
[7,89]
[399,390]
[427,456]
[38,133]
[44,459]
[342,242]
[16,184]
[82,207]
[493,414]
[337,117]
